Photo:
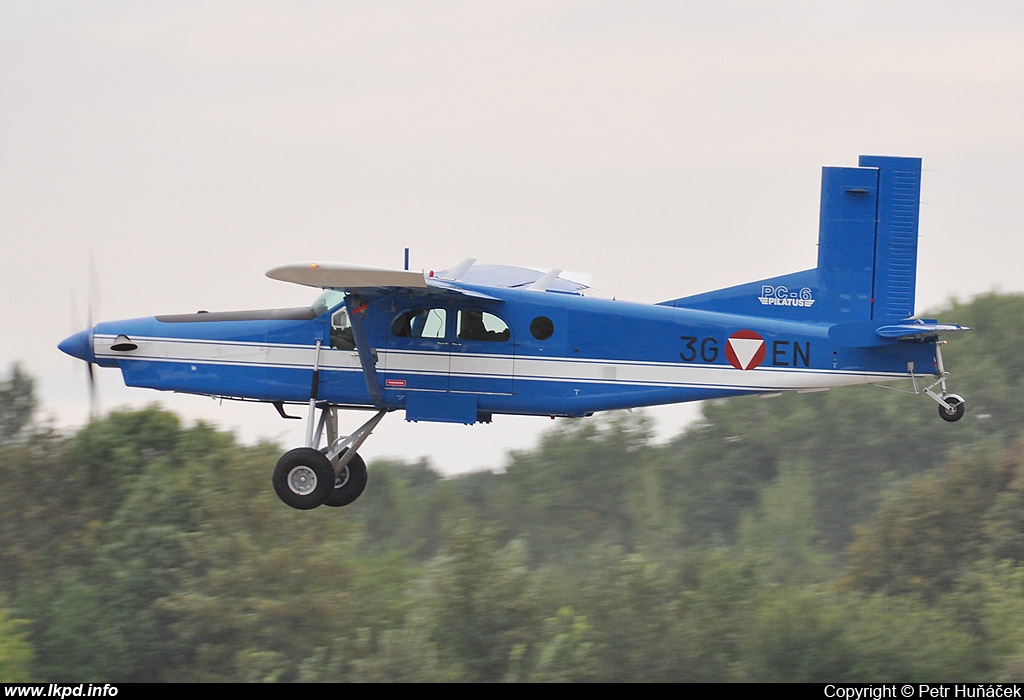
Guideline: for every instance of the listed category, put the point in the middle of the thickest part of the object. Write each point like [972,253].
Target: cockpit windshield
[328,300]
[341,328]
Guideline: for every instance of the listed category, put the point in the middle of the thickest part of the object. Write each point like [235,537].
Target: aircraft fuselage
[546,354]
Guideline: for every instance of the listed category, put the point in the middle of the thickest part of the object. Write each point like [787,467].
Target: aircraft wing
[513,276]
[344,276]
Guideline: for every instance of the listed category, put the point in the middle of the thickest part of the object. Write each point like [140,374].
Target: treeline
[843,536]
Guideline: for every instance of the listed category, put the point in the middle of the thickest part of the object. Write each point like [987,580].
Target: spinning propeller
[80,344]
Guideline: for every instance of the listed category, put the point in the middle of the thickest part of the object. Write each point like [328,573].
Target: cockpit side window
[481,325]
[420,323]
[340,319]
[341,331]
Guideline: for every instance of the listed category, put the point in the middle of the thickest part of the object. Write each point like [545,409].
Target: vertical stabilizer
[867,253]
[846,242]
[867,240]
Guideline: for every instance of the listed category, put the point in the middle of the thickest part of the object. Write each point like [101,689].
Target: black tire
[349,484]
[303,478]
[953,410]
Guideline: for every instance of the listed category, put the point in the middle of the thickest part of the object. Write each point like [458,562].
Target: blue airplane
[464,344]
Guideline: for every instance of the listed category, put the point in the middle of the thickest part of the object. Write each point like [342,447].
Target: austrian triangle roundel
[745,349]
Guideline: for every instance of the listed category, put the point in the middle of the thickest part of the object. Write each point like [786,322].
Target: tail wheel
[348,483]
[303,478]
[954,408]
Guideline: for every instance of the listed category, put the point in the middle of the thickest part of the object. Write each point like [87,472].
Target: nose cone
[79,345]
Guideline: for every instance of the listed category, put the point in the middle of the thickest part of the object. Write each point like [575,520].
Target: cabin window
[420,323]
[542,328]
[480,325]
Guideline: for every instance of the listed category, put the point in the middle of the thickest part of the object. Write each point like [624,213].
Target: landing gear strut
[335,475]
[308,477]
[951,406]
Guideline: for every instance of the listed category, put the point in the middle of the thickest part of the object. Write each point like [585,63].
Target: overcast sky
[667,147]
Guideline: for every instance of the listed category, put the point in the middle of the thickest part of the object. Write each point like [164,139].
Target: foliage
[16,653]
[17,404]
[484,606]
[921,539]
[597,465]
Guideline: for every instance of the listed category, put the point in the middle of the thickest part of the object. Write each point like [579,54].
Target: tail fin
[867,253]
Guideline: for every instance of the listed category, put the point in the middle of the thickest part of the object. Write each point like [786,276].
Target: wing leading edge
[343,276]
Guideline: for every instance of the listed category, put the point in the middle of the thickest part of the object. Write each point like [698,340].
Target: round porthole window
[541,328]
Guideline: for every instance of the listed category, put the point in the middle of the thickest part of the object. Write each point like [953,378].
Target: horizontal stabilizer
[864,334]
[919,328]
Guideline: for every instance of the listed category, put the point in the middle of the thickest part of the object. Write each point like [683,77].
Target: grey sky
[667,147]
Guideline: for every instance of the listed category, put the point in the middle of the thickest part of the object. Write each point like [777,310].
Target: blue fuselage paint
[590,355]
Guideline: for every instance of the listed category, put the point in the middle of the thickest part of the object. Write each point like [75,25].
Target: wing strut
[357,316]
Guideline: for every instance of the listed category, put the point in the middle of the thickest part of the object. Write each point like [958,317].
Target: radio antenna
[622,279]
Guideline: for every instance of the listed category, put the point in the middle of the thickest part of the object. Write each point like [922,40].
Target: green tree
[50,517]
[269,593]
[16,652]
[811,634]
[98,617]
[795,636]
[923,536]
[1004,522]
[75,633]
[484,606]
[987,603]
[635,626]
[17,404]
[404,508]
[564,652]
[578,487]
[781,534]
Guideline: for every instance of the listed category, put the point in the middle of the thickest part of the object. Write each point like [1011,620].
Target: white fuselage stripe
[496,366]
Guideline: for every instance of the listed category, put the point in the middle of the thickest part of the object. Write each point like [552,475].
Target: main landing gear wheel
[348,483]
[303,478]
[954,408]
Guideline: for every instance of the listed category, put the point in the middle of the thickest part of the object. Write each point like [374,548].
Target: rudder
[899,210]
